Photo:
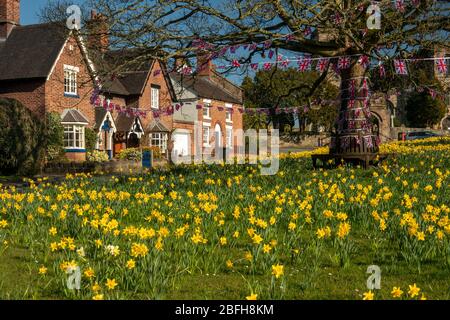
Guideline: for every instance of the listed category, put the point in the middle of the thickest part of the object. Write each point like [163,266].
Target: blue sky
[30,11]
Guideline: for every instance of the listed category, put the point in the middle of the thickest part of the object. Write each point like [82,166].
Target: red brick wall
[55,101]
[165,100]
[219,117]
[29,92]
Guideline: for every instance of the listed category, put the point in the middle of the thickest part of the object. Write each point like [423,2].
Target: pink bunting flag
[304,64]
[267,44]
[400,5]
[285,63]
[382,69]
[186,70]
[156,73]
[220,108]
[343,63]
[236,64]
[267,66]
[441,66]
[307,32]
[254,66]
[364,61]
[400,67]
[290,37]
[241,110]
[432,93]
[322,64]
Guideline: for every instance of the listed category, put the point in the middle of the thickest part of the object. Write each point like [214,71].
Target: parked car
[415,135]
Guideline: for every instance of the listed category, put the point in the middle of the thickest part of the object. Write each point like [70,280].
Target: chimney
[9,17]
[205,65]
[98,38]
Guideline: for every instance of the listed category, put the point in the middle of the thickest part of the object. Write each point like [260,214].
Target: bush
[22,139]
[55,137]
[90,139]
[131,154]
[97,156]
[423,111]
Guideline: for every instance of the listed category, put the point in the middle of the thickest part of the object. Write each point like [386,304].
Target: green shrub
[90,137]
[55,137]
[22,139]
[97,156]
[131,154]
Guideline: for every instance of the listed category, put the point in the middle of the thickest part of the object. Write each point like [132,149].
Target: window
[206,136]
[229,137]
[155,98]
[229,112]
[74,137]
[229,116]
[70,80]
[206,111]
[159,140]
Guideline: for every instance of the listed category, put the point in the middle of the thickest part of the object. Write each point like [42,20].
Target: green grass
[330,268]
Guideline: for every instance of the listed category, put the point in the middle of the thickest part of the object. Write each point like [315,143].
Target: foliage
[22,139]
[133,154]
[424,111]
[97,156]
[90,137]
[288,88]
[55,137]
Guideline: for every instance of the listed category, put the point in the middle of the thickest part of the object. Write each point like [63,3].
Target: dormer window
[70,80]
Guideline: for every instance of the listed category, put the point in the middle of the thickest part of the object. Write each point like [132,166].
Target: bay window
[74,136]
[159,140]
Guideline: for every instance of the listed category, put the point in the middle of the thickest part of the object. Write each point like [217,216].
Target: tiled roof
[157,126]
[31,51]
[205,88]
[73,116]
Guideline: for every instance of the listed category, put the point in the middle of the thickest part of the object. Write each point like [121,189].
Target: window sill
[71,95]
[75,150]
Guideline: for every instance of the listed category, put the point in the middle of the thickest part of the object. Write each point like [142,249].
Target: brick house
[213,102]
[146,88]
[47,69]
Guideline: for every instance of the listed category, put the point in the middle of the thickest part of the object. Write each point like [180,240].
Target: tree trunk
[353,127]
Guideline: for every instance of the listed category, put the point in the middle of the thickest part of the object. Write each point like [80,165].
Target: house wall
[31,93]
[219,117]
[165,99]
[55,100]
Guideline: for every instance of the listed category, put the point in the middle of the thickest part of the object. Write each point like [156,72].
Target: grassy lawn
[225,232]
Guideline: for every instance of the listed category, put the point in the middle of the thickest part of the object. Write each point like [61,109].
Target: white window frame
[161,138]
[229,137]
[207,106]
[208,136]
[228,111]
[77,141]
[70,80]
[155,95]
